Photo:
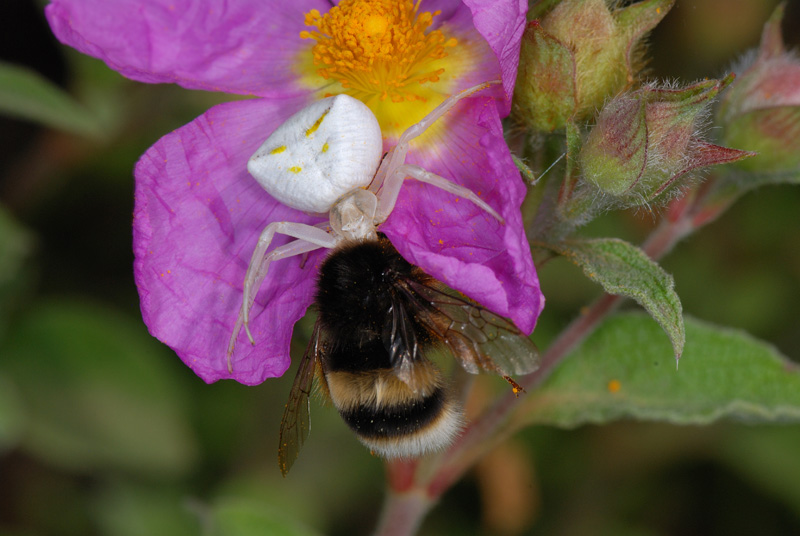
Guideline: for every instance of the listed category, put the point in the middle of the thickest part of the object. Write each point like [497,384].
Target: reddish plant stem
[404,510]
[478,437]
[403,513]
[400,474]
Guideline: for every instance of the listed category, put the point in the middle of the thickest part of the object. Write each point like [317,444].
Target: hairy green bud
[579,54]
[761,110]
[644,141]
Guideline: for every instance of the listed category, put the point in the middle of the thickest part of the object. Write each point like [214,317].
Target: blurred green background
[104,431]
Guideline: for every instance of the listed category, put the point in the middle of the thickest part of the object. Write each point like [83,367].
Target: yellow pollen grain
[278,149]
[376,25]
[377,48]
[614,386]
[325,147]
[295,169]
[316,124]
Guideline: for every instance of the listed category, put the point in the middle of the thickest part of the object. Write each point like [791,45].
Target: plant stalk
[420,490]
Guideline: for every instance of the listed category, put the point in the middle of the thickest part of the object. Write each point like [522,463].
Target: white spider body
[326,158]
[319,154]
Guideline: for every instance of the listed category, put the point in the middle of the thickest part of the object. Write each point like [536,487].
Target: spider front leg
[397,155]
[392,185]
[308,237]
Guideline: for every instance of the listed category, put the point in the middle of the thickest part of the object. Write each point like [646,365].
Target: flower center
[378,49]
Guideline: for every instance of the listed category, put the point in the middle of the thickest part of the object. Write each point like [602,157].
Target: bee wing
[479,339]
[296,419]
[400,340]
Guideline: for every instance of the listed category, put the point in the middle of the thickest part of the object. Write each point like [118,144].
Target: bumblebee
[379,317]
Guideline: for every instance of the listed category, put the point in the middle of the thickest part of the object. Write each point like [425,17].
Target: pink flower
[198,213]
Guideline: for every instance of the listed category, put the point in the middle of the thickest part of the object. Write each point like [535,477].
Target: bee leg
[392,185]
[397,155]
[308,237]
[515,387]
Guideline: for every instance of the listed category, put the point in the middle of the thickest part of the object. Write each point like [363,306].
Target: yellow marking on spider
[278,149]
[316,124]
[325,147]
[295,169]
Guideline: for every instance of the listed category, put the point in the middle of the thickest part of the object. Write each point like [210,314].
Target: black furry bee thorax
[358,283]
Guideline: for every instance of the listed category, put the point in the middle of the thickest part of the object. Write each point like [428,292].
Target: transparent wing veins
[296,423]
[479,339]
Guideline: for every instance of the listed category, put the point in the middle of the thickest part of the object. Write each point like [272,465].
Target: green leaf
[625,270]
[235,517]
[624,370]
[124,507]
[11,415]
[97,392]
[16,246]
[27,95]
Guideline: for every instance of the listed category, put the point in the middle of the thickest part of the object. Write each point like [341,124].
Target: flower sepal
[646,143]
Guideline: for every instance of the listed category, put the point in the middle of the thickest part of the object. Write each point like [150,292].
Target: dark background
[104,431]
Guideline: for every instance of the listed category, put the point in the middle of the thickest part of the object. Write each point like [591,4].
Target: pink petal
[197,218]
[497,24]
[457,242]
[245,46]
[501,23]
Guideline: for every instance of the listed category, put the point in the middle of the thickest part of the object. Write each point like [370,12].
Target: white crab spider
[325,159]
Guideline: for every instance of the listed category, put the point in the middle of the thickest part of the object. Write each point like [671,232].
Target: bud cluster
[629,144]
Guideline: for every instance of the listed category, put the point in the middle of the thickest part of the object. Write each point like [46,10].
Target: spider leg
[392,185]
[308,237]
[380,175]
[418,128]
[397,155]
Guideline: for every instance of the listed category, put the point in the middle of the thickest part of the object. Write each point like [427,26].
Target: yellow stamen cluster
[377,48]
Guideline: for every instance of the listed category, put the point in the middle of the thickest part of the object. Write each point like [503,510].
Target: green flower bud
[761,110]
[578,55]
[645,140]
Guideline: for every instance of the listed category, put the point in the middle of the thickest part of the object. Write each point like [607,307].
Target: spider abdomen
[325,150]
